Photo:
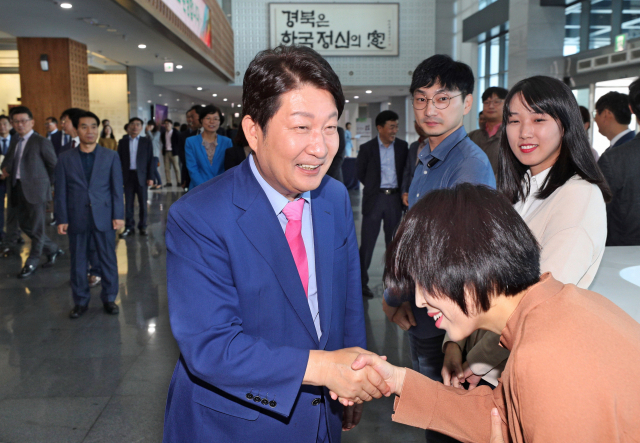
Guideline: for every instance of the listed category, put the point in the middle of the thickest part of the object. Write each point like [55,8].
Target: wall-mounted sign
[336,29]
[195,14]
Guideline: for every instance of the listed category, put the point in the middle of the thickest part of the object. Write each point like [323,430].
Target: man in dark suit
[5,142]
[619,165]
[89,205]
[136,155]
[29,167]
[170,139]
[193,128]
[380,166]
[613,117]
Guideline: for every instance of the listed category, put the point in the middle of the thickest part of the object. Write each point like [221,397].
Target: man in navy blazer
[89,206]
[613,117]
[261,331]
[137,174]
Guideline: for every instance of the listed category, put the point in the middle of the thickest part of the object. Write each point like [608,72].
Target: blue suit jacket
[76,200]
[240,316]
[625,138]
[200,170]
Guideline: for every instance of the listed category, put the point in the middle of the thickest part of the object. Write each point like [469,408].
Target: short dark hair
[546,95]
[77,116]
[347,124]
[53,120]
[193,108]
[210,109]
[136,119]
[5,117]
[20,110]
[153,123]
[475,241]
[501,93]
[274,72]
[443,70]
[618,104]
[70,113]
[105,120]
[586,115]
[634,97]
[167,120]
[385,116]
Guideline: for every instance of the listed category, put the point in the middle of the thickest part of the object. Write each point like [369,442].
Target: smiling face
[447,314]
[300,142]
[492,109]
[211,122]
[535,139]
[388,132]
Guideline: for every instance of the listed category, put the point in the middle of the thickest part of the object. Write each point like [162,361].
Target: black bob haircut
[136,119]
[442,70]
[20,110]
[618,104]
[501,93]
[465,238]
[386,116]
[75,119]
[70,113]
[274,72]
[634,97]
[209,109]
[546,95]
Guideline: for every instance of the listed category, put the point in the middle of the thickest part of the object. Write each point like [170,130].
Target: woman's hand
[392,375]
[452,372]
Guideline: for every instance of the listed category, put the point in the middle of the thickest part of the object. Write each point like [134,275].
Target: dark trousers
[156,174]
[387,208]
[105,249]
[94,259]
[3,191]
[31,219]
[132,189]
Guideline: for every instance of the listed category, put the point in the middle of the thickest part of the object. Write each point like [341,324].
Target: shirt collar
[53,132]
[7,138]
[380,144]
[537,180]
[134,138]
[445,147]
[277,200]
[26,137]
[77,140]
[615,139]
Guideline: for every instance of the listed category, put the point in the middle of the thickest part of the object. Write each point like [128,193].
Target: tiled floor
[104,378]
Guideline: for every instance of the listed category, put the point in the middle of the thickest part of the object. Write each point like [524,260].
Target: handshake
[353,375]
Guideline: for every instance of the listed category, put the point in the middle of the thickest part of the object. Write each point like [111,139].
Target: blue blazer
[76,200]
[200,170]
[625,138]
[240,315]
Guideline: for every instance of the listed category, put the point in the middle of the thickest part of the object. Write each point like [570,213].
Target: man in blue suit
[612,116]
[263,274]
[89,206]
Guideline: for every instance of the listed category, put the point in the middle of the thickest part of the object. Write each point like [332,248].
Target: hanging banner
[336,29]
[195,14]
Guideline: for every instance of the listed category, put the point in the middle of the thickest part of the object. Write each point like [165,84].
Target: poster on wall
[161,114]
[195,14]
[336,29]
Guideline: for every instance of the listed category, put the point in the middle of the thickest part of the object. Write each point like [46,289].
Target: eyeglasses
[440,101]
[493,102]
[21,122]
[211,119]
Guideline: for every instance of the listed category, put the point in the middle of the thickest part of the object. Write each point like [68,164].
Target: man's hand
[351,416]
[452,372]
[117,224]
[149,182]
[496,427]
[389,311]
[470,377]
[333,370]
[62,228]
[4,174]
[403,317]
[393,376]
[405,198]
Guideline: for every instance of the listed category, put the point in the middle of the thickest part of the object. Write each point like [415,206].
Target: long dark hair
[152,122]
[547,95]
[102,133]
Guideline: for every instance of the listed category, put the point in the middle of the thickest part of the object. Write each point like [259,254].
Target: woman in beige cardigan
[548,173]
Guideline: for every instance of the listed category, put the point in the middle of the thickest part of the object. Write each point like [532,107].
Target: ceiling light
[368,91]
[236,115]
[203,105]
[215,95]
[166,104]
[356,97]
[177,99]
[239,106]
[178,66]
[199,88]
[66,5]
[346,101]
[159,95]
[142,46]
[149,101]
[224,99]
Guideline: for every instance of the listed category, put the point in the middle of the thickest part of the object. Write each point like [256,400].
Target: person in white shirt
[548,173]
[612,115]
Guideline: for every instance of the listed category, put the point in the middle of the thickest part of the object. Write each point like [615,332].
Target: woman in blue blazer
[205,152]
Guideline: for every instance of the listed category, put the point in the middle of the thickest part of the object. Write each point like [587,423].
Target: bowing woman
[205,152]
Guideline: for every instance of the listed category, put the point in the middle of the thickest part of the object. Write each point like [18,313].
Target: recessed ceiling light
[199,88]
[177,99]
[356,97]
[142,46]
[215,95]
[66,5]
[368,91]
[149,101]
[159,95]
[166,104]
[346,101]
[203,105]
[178,66]
[224,99]
[239,106]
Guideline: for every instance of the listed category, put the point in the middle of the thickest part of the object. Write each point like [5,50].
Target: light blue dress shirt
[4,144]
[388,178]
[348,146]
[133,153]
[278,202]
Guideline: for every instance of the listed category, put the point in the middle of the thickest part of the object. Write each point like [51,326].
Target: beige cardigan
[571,227]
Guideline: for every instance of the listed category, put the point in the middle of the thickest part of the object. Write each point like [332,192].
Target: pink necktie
[293,233]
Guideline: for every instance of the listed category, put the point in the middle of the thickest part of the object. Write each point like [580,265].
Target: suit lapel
[323,233]
[97,161]
[261,226]
[77,164]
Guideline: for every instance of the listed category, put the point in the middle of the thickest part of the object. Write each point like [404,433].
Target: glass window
[572,29]
[484,3]
[482,56]
[495,56]
[600,24]
[631,18]
[493,60]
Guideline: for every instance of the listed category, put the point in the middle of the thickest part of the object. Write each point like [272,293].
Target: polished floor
[104,378]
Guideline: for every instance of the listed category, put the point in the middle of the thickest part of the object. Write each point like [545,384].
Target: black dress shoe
[127,232]
[366,292]
[143,232]
[52,258]
[111,308]
[77,311]
[27,271]
[168,185]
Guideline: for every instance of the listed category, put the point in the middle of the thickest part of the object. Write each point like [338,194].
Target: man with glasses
[28,170]
[488,136]
[441,91]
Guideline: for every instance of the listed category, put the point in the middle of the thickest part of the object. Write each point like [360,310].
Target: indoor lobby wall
[108,100]
[9,91]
